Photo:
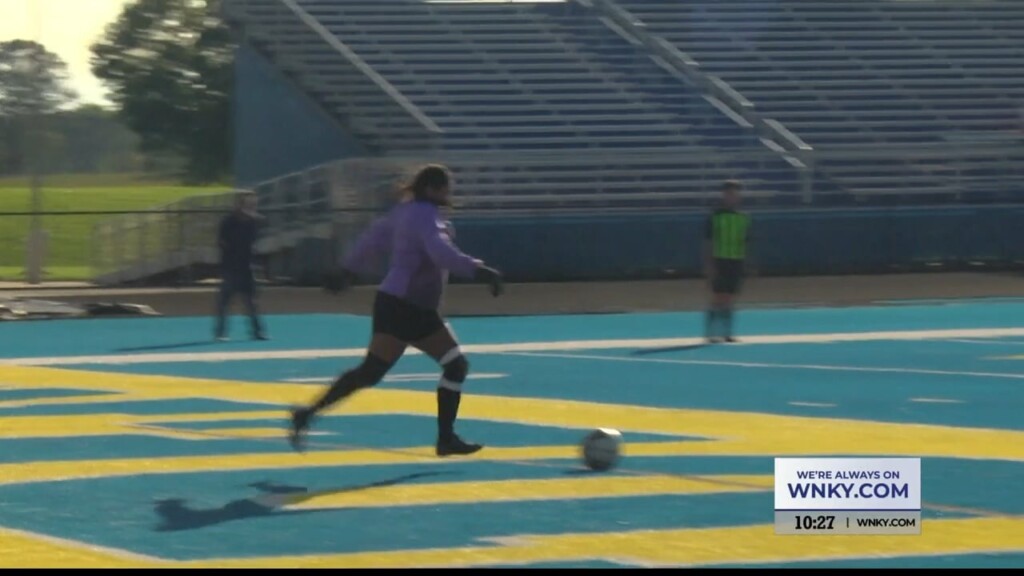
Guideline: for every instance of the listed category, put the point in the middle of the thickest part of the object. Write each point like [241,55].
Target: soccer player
[237,236]
[726,237]
[405,310]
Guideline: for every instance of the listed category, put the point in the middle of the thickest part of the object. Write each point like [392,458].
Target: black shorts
[407,322]
[728,276]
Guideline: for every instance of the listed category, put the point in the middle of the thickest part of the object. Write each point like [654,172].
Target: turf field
[140,443]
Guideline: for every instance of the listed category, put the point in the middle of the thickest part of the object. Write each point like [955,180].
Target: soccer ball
[601,449]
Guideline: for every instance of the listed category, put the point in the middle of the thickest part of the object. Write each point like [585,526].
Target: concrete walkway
[567,298]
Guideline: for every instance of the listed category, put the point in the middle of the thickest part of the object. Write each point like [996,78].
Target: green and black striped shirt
[729,232]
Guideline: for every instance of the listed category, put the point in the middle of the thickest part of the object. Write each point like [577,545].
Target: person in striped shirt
[726,239]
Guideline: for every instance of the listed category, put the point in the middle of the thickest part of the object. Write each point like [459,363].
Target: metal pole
[34,272]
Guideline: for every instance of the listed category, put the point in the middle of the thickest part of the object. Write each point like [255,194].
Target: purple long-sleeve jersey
[421,249]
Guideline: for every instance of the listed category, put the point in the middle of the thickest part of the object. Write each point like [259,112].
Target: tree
[32,79]
[91,139]
[168,64]
[33,83]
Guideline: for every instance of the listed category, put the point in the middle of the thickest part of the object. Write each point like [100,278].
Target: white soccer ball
[602,449]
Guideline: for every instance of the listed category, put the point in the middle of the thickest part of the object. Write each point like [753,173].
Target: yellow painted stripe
[83,425]
[728,433]
[158,387]
[62,470]
[72,400]
[684,547]
[733,433]
[599,486]
[61,426]
[26,550]
[739,433]
[681,547]
[17,473]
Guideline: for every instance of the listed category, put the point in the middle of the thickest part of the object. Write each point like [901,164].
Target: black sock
[710,319]
[447,411]
[342,388]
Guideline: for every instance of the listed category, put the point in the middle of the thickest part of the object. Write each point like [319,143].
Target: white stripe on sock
[451,355]
[445,383]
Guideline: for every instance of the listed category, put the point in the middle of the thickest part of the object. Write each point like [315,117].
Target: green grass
[50,274]
[116,180]
[69,250]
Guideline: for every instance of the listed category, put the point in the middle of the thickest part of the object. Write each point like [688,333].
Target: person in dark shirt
[237,236]
[726,238]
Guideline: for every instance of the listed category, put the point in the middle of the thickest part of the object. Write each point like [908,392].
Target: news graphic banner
[847,495]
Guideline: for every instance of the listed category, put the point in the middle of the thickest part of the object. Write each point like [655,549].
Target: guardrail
[333,202]
[132,246]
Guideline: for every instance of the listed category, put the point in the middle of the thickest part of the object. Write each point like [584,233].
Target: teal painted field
[136,442]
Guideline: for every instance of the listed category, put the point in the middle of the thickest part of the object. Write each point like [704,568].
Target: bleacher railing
[785,142]
[335,201]
[386,115]
[137,245]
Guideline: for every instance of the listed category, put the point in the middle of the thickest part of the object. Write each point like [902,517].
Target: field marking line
[551,346]
[740,364]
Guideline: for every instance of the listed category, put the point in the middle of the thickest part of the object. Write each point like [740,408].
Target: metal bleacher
[641,104]
[531,104]
[894,96]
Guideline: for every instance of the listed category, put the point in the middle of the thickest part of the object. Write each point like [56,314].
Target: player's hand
[339,280]
[492,277]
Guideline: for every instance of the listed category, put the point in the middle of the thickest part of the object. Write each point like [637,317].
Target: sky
[67,28]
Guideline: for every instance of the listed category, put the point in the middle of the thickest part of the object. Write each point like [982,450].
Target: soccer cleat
[299,424]
[454,446]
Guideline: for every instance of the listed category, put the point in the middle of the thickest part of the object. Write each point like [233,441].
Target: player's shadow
[647,351]
[176,515]
[169,346]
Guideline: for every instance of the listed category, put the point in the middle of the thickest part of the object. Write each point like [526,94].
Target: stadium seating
[885,91]
[629,104]
[905,79]
[543,93]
